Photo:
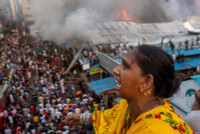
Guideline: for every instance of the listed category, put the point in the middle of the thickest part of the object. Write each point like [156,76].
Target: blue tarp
[191,63]
[82,62]
[189,52]
[118,99]
[196,77]
[103,84]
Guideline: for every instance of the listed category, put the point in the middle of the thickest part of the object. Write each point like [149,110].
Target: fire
[123,15]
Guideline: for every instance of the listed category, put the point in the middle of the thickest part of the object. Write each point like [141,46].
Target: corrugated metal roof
[128,31]
[103,84]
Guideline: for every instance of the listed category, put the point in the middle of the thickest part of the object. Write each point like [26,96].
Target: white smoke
[53,23]
[68,20]
[179,9]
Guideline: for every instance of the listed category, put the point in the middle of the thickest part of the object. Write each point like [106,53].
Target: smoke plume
[74,20]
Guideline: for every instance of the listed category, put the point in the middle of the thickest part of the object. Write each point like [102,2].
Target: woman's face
[129,77]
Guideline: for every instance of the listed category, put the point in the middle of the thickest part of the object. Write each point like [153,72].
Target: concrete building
[25,5]
[20,11]
[14,9]
[5,10]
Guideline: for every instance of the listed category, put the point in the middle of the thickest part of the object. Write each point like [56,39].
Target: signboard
[95,71]
[185,96]
[85,66]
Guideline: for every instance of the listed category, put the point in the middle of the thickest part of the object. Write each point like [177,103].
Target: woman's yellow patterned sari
[160,120]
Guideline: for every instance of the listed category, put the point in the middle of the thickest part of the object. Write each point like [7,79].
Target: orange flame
[123,15]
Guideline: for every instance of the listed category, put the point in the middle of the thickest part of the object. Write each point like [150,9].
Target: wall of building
[26,11]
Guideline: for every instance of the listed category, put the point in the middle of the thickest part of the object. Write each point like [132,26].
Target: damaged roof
[132,32]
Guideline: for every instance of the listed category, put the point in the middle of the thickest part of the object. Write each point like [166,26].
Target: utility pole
[75,58]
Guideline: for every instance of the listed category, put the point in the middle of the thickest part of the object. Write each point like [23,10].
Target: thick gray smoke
[71,20]
[68,21]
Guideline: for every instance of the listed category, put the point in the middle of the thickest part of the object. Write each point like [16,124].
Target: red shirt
[45,113]
[62,126]
[32,109]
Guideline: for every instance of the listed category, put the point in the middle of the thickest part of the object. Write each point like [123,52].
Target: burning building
[112,22]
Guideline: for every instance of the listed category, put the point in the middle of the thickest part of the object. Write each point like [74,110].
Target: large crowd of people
[40,92]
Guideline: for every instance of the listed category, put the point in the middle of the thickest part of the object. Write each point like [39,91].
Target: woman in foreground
[145,79]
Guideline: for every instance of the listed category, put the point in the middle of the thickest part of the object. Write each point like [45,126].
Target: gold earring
[148,92]
[145,93]
[141,90]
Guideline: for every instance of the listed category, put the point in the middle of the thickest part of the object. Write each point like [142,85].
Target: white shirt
[8,131]
[11,98]
[41,110]
[33,131]
[85,100]
[65,105]
[48,106]
[193,120]
[60,106]
[65,132]
[58,115]
[51,110]
[10,119]
[77,111]
[174,57]
[41,105]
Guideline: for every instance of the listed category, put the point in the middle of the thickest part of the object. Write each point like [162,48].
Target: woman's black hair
[155,61]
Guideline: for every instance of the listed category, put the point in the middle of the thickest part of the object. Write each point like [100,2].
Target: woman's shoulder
[122,102]
[121,105]
[155,126]
[163,117]
[162,123]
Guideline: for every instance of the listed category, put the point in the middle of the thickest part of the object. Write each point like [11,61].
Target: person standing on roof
[186,44]
[192,44]
[144,41]
[171,45]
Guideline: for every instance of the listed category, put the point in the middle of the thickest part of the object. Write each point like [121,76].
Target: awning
[103,84]
[196,77]
[118,99]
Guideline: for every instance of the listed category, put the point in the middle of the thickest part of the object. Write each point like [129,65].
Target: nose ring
[117,73]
